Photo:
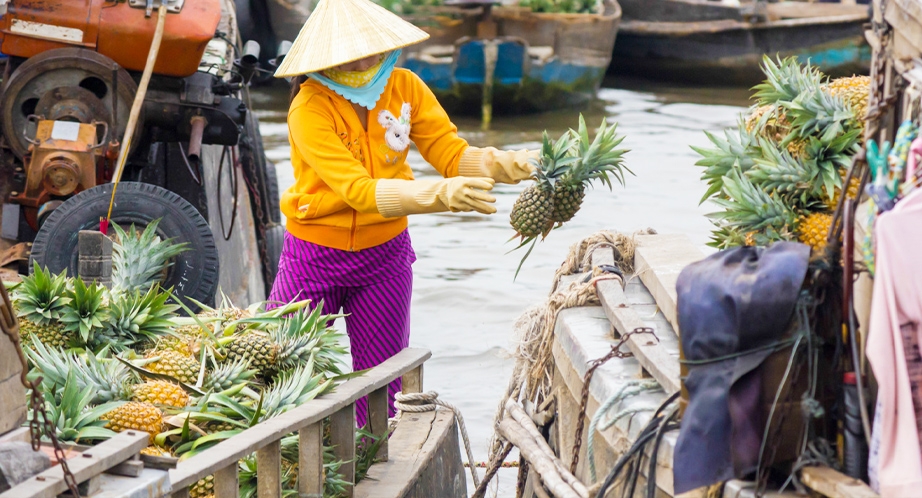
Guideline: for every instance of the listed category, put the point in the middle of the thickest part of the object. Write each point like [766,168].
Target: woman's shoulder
[405,78]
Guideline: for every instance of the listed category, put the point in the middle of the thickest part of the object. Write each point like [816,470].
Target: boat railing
[307,421]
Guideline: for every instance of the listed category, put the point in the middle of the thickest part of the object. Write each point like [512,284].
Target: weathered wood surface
[226,482]
[425,460]
[12,392]
[658,261]
[377,419]
[649,351]
[833,484]
[342,435]
[228,452]
[269,465]
[106,455]
[310,461]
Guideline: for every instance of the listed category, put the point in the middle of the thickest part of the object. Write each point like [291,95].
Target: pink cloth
[896,309]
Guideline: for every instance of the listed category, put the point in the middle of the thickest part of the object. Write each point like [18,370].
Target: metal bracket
[173,6]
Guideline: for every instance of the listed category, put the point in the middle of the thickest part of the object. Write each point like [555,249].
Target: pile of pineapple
[124,358]
[779,174]
[563,170]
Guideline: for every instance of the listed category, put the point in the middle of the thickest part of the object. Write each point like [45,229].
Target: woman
[351,120]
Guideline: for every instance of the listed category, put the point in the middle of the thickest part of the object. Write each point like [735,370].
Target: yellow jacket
[337,163]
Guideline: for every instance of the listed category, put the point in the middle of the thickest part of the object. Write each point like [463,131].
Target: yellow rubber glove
[396,198]
[504,166]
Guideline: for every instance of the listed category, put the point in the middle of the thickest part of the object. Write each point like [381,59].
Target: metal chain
[10,326]
[584,398]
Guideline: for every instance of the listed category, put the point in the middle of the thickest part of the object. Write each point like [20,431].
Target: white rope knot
[428,402]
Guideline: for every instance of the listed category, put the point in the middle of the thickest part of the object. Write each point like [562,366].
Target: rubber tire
[194,272]
[275,240]
[272,186]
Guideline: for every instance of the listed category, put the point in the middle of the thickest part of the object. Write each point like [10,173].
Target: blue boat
[482,59]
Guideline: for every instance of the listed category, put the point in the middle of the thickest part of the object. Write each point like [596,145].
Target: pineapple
[85,314]
[531,213]
[181,367]
[854,90]
[137,318]
[750,209]
[851,193]
[256,347]
[156,451]
[41,300]
[597,160]
[769,121]
[305,337]
[161,392]
[812,229]
[202,488]
[735,150]
[140,259]
[137,416]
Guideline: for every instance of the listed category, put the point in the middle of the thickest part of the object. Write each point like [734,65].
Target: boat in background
[704,40]
[508,56]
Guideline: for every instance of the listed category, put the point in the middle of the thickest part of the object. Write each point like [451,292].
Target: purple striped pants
[372,286]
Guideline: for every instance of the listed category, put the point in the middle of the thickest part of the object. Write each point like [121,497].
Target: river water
[465,300]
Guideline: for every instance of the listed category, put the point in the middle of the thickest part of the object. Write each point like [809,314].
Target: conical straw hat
[341,31]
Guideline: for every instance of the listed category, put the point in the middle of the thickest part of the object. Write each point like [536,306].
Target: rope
[632,388]
[427,402]
[534,330]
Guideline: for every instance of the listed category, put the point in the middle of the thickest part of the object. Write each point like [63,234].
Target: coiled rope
[427,402]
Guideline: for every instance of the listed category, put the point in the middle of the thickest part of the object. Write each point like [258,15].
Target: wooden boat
[717,41]
[538,61]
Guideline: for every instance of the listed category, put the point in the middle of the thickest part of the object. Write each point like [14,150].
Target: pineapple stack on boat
[123,358]
[780,174]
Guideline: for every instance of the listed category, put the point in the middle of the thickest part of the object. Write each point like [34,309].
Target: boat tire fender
[272,187]
[275,240]
[194,272]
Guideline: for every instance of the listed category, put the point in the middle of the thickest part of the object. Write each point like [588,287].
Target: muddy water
[465,299]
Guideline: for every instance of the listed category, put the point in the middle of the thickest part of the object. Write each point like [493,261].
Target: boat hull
[734,56]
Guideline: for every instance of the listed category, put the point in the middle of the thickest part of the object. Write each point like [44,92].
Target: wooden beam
[342,434]
[229,451]
[269,465]
[310,461]
[833,484]
[377,419]
[226,484]
[100,458]
[413,380]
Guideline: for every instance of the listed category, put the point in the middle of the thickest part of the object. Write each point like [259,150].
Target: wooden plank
[647,350]
[413,380]
[20,434]
[106,455]
[229,451]
[833,484]
[310,461]
[269,465]
[377,419]
[226,484]
[131,468]
[342,436]
[658,260]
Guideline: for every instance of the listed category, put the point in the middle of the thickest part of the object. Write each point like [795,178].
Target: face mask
[366,95]
[354,79]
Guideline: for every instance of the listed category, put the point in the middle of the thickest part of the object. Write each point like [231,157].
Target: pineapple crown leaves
[135,317]
[305,334]
[597,158]
[85,313]
[109,379]
[41,296]
[555,159]
[292,389]
[816,112]
[735,150]
[750,208]
[139,258]
[785,80]
[229,375]
[778,172]
[74,420]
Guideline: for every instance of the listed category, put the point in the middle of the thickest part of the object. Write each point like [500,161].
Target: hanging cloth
[733,309]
